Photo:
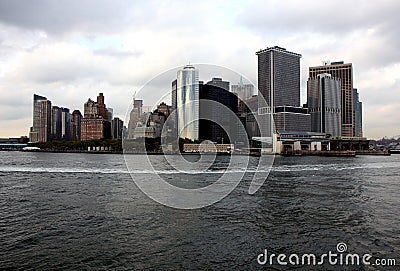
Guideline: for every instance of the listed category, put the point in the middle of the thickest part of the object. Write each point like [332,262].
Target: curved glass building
[187,102]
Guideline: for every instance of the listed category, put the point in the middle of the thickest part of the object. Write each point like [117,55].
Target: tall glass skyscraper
[187,102]
[324,96]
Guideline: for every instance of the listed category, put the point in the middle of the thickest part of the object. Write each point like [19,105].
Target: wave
[121,171]
[219,170]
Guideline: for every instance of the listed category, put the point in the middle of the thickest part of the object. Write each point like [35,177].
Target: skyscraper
[279,76]
[76,120]
[134,117]
[243,91]
[217,91]
[56,123]
[117,128]
[279,91]
[187,102]
[345,73]
[65,124]
[358,130]
[41,129]
[324,104]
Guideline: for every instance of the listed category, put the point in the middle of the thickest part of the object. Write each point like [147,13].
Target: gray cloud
[113,52]
[332,17]
[71,50]
[60,16]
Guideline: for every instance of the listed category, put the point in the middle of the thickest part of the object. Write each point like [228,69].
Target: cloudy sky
[69,51]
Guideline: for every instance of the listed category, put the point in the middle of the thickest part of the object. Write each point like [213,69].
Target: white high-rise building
[187,102]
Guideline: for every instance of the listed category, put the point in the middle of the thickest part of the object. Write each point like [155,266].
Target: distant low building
[142,130]
[288,142]
[208,148]
[92,128]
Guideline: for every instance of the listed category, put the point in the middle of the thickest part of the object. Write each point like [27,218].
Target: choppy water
[83,212]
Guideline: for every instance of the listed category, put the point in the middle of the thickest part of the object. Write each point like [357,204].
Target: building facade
[117,128]
[344,72]
[243,91]
[92,128]
[187,102]
[134,116]
[41,129]
[279,91]
[76,122]
[324,97]
[95,124]
[358,128]
[290,118]
[65,124]
[225,114]
[56,123]
[218,82]
[279,77]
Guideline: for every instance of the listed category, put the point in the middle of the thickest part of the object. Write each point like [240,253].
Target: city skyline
[116,49]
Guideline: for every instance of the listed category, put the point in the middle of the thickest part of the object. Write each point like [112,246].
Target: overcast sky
[69,51]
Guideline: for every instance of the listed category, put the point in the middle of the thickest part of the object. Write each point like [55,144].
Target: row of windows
[328,109]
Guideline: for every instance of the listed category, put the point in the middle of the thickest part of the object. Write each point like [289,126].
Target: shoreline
[299,154]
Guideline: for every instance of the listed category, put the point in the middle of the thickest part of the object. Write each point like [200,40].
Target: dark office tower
[279,76]
[279,92]
[173,94]
[65,124]
[217,82]
[174,117]
[324,97]
[41,129]
[76,125]
[220,94]
[358,131]
[345,73]
[56,122]
[117,128]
